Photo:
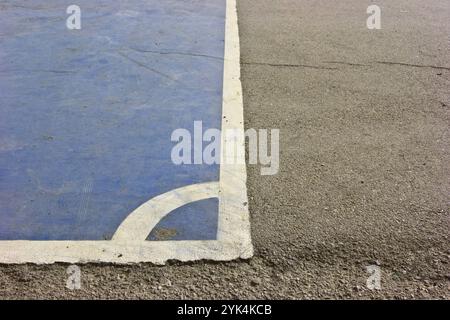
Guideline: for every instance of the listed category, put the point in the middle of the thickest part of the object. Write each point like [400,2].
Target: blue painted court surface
[86,115]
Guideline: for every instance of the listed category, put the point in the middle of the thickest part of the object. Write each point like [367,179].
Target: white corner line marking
[128,244]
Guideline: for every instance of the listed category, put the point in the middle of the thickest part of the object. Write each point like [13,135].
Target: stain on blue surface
[193,221]
[86,115]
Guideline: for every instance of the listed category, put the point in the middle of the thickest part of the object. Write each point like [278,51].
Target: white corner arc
[139,223]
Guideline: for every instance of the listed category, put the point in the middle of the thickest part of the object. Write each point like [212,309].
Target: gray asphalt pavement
[364,163]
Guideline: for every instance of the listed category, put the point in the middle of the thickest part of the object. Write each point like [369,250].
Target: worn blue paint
[86,115]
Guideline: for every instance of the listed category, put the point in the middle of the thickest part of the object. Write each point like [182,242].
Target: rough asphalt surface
[364,173]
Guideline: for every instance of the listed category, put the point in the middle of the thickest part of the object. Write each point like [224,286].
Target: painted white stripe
[157,252]
[139,223]
[234,222]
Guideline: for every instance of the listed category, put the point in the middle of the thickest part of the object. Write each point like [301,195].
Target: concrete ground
[364,163]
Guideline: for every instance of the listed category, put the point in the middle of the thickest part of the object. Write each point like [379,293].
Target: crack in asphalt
[177,53]
[284,65]
[348,63]
[352,64]
[146,67]
[413,65]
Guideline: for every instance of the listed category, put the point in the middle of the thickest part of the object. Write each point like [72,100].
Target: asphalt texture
[364,164]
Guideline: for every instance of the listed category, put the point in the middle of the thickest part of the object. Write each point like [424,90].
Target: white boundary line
[233,236]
